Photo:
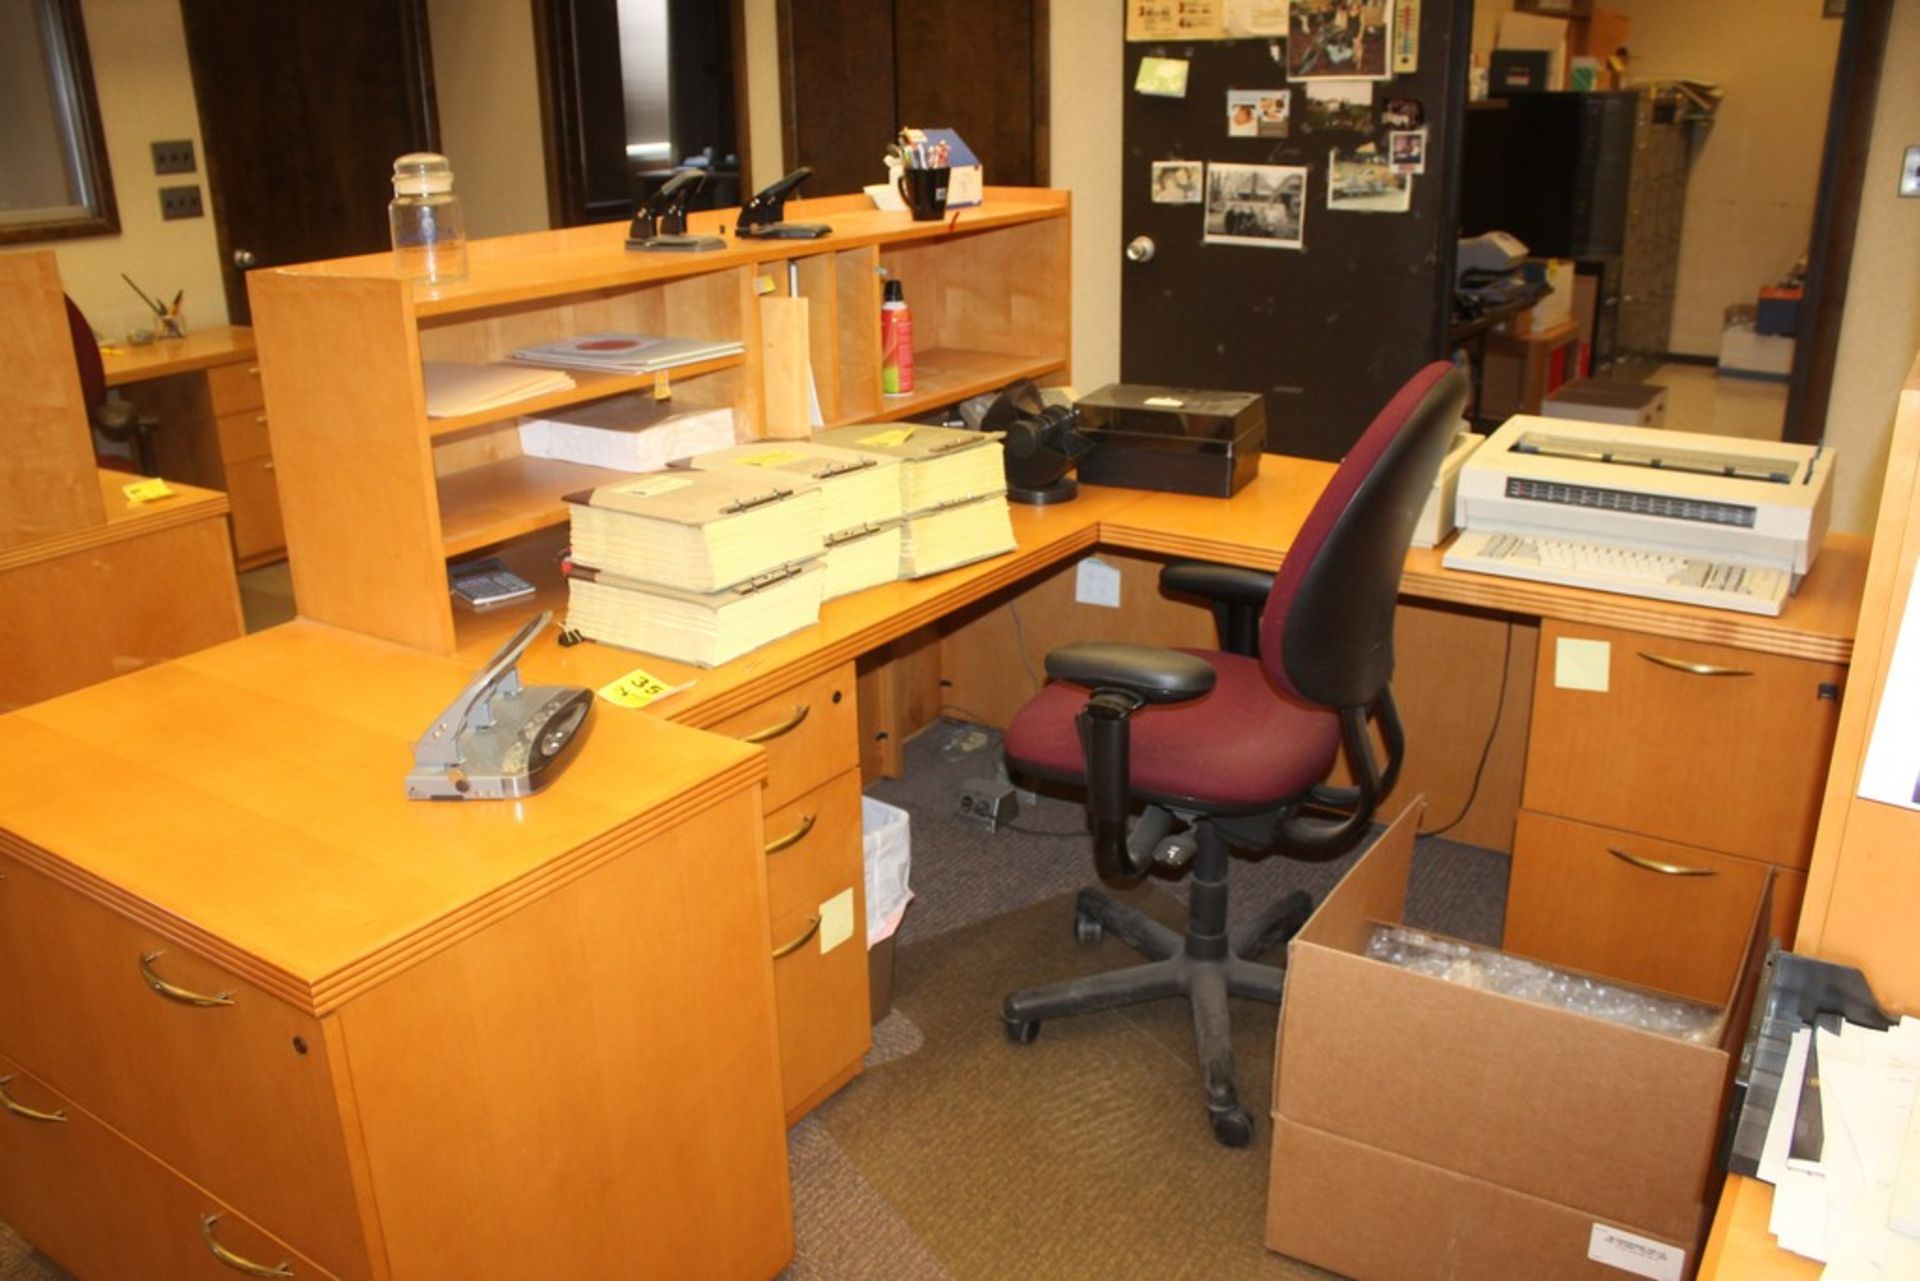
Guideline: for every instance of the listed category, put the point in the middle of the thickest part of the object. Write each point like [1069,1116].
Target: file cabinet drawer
[102,1209]
[235,1095]
[234,387]
[1720,748]
[253,499]
[813,846]
[1650,912]
[810,731]
[243,435]
[820,1003]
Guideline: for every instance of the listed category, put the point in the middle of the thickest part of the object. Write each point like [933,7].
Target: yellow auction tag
[898,436]
[662,386]
[764,285]
[150,490]
[638,688]
[772,458]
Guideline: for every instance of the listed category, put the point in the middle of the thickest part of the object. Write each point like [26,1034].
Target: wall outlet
[173,157]
[180,202]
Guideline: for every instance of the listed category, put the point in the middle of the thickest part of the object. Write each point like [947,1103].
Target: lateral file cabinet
[1656,805]
[816,884]
[289,1016]
[214,433]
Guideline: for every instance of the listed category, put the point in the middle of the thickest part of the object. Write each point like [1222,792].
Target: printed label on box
[1630,1252]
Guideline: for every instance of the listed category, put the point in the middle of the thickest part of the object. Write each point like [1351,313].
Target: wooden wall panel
[47,476]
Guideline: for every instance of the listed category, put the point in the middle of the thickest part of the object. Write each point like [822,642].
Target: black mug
[925,191]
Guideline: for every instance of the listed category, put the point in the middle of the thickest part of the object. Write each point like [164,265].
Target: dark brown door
[854,71]
[1327,331]
[303,107]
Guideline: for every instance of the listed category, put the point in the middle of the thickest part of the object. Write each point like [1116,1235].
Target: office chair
[115,419]
[1233,746]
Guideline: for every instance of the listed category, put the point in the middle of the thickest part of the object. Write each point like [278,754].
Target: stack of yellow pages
[454,389]
[626,433]
[702,628]
[953,490]
[698,566]
[859,502]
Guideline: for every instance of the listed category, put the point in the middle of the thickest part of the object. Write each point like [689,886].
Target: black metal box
[1173,438]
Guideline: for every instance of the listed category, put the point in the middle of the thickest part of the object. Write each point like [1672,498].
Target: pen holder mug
[925,191]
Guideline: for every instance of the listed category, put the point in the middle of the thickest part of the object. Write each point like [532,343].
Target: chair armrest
[1150,674]
[113,416]
[1237,595]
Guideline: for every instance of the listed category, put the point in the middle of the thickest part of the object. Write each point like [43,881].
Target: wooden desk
[1740,1248]
[205,391]
[270,854]
[153,582]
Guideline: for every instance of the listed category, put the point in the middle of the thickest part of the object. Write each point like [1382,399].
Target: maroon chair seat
[1194,755]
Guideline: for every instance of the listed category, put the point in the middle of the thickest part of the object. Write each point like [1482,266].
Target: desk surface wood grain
[163,358]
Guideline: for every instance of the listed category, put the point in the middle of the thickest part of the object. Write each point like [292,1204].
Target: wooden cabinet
[213,432]
[1664,777]
[379,1038]
[377,497]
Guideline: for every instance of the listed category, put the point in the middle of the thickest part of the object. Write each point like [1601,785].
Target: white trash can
[886,840]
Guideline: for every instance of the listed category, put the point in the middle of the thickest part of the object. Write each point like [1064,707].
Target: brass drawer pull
[235,1261]
[788,949]
[792,838]
[784,727]
[1654,865]
[22,1110]
[173,993]
[1694,669]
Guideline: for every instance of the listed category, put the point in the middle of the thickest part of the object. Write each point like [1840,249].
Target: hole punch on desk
[661,223]
[764,217]
[1230,746]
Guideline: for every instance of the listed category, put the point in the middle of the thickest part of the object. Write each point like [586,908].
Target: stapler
[763,217]
[661,223]
[500,740]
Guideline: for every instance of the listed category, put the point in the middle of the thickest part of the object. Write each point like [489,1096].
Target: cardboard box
[1746,353]
[1554,309]
[1423,1129]
[1594,401]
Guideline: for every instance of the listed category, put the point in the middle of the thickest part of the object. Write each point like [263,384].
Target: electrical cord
[1486,748]
[1026,658]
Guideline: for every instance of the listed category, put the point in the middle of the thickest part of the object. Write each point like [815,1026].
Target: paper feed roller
[1751,502]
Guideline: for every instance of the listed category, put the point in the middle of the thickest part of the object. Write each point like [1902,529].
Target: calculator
[486,584]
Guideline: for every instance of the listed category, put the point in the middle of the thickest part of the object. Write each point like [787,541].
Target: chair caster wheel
[1087,929]
[1021,1031]
[1233,1129]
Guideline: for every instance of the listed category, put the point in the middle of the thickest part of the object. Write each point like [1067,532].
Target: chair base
[1203,967]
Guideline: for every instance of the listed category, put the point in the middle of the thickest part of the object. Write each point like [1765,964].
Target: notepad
[454,389]
[939,466]
[626,353]
[626,433]
[701,628]
[696,531]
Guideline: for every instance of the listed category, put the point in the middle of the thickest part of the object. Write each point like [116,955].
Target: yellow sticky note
[836,920]
[898,436]
[1581,664]
[150,490]
[638,688]
[763,285]
[662,386]
[772,458]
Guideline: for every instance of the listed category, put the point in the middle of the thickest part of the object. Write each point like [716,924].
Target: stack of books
[453,389]
[626,433]
[953,491]
[700,567]
[623,353]
[860,503]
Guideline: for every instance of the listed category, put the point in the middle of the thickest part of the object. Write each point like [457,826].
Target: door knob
[243,258]
[1140,249]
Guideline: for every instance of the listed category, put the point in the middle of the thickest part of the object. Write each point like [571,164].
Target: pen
[158,310]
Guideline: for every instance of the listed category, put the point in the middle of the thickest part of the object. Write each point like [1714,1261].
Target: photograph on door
[1259,205]
[1339,40]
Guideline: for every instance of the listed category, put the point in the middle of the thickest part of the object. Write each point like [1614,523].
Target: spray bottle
[896,342]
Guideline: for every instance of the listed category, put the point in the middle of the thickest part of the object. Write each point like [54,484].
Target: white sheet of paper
[1891,774]
[1773,1152]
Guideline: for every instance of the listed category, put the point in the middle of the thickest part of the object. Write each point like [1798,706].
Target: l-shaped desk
[432,1030]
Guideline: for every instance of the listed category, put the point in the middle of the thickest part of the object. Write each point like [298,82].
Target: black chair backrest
[1326,633]
[86,354]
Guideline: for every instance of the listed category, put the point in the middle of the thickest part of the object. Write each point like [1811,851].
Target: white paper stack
[953,489]
[626,433]
[860,503]
[453,389]
[624,353]
[702,628]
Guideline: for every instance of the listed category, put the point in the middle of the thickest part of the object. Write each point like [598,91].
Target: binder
[701,628]
[696,531]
